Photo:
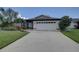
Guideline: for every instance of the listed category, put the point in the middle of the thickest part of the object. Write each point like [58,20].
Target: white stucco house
[44,22]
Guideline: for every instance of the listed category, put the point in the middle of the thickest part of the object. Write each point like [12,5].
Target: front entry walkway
[43,41]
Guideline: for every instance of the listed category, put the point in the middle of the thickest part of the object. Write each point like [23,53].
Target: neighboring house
[44,22]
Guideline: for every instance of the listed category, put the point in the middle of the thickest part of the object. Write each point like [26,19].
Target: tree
[11,15]
[2,15]
[18,20]
[64,23]
[7,16]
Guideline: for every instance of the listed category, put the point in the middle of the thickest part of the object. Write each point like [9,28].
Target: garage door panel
[45,26]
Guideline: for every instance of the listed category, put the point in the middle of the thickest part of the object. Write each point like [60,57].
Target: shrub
[9,28]
[64,23]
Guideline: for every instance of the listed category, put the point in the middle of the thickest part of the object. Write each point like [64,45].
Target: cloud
[19,16]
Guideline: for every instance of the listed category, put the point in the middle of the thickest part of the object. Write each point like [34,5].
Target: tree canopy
[7,16]
[18,20]
[64,23]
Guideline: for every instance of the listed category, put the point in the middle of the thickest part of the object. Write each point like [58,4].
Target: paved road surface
[43,41]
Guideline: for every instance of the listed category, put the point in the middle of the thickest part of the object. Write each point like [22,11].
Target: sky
[56,12]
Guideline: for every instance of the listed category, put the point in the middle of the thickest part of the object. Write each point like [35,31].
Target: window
[45,22]
[51,22]
[54,22]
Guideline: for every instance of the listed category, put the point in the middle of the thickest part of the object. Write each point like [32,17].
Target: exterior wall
[30,25]
[49,26]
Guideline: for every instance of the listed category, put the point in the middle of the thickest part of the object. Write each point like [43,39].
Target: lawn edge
[70,38]
[14,40]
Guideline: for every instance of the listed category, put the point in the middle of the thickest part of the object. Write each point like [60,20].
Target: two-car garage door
[45,25]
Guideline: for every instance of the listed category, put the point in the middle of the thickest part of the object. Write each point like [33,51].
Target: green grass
[7,37]
[73,34]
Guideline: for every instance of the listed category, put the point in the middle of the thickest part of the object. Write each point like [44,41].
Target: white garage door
[43,25]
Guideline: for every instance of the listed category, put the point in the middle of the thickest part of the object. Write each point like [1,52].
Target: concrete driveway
[43,41]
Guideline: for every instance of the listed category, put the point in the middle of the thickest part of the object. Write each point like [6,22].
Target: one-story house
[44,22]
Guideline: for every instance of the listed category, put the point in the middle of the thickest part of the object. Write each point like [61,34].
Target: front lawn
[7,37]
[73,34]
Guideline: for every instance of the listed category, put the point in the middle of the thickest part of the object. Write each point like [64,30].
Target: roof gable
[43,17]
